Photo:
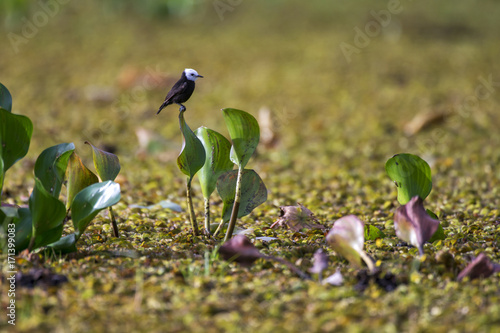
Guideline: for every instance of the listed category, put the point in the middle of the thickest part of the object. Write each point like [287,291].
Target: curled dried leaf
[413,224]
[297,218]
[480,267]
[424,120]
[240,249]
[347,237]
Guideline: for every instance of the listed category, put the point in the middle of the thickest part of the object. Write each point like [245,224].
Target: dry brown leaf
[424,120]
[481,267]
[240,249]
[297,218]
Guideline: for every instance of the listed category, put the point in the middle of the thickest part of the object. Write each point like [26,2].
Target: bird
[182,90]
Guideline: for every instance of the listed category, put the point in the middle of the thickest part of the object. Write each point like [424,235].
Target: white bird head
[191,74]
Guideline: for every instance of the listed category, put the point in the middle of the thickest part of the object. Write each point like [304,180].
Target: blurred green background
[99,70]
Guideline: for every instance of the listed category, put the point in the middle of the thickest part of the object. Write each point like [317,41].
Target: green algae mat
[369,193]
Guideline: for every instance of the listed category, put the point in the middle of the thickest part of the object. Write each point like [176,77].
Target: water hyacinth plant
[41,224]
[412,177]
[15,134]
[190,161]
[217,162]
[244,131]
[108,167]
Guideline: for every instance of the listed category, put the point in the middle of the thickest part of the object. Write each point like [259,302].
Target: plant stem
[32,243]
[236,206]
[421,250]
[192,216]
[368,260]
[219,228]
[207,216]
[113,222]
[294,268]
[2,175]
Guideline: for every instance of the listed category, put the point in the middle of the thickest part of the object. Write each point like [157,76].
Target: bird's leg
[182,108]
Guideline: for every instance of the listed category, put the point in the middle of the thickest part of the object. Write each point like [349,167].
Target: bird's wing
[178,87]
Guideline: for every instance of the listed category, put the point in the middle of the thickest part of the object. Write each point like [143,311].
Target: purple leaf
[240,249]
[413,224]
[320,262]
[481,267]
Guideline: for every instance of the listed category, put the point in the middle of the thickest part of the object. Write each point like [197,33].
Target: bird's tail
[162,106]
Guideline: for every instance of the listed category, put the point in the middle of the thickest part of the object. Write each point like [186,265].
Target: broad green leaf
[66,244]
[439,234]
[347,238]
[412,176]
[79,177]
[192,156]
[5,98]
[372,233]
[2,174]
[217,161]
[253,192]
[51,165]
[245,134]
[21,219]
[15,137]
[106,164]
[90,201]
[47,214]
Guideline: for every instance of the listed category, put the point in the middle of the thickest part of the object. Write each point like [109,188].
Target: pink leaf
[413,224]
[347,238]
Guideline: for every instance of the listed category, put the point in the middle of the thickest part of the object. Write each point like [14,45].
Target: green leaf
[15,137]
[245,133]
[253,192]
[21,219]
[372,233]
[439,234]
[192,156]
[47,214]
[217,161]
[106,164]
[51,165]
[412,176]
[90,201]
[66,244]
[5,98]
[79,177]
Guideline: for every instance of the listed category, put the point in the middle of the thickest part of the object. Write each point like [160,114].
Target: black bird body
[182,90]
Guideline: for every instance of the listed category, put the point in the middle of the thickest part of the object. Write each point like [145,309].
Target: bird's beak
[200,76]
